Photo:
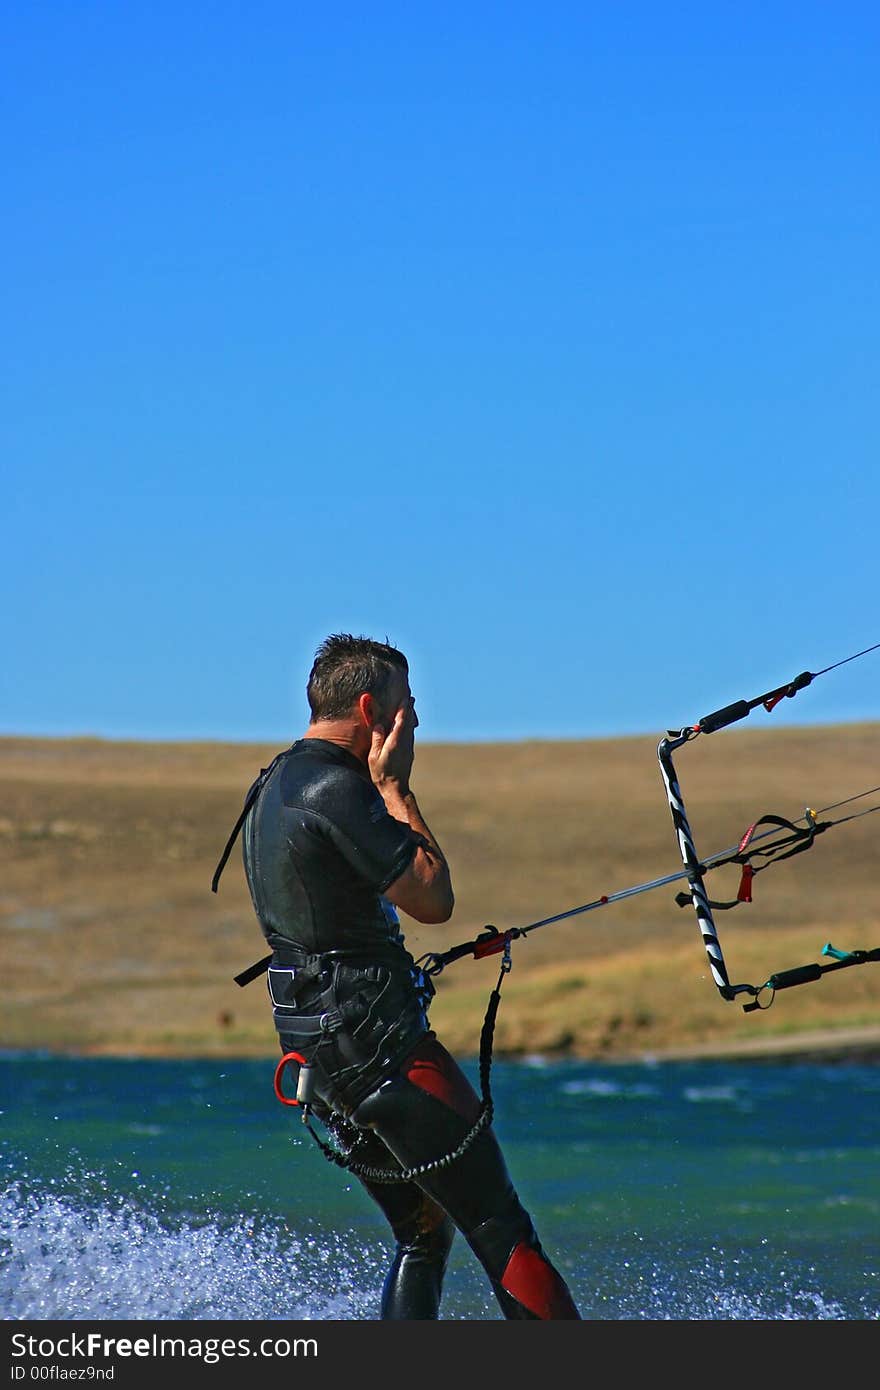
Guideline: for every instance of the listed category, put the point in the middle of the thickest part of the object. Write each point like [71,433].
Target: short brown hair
[346,667]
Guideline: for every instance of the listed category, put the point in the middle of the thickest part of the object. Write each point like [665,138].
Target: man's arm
[424,889]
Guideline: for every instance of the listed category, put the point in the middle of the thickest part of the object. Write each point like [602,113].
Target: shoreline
[858,1044]
[823,1045]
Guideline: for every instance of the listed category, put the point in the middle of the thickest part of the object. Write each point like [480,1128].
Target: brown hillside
[112,941]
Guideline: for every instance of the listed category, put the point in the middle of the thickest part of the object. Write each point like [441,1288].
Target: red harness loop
[279,1072]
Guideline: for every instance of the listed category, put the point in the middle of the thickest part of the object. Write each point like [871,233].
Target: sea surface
[142,1189]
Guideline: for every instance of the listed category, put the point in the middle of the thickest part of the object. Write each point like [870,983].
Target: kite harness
[350,1136]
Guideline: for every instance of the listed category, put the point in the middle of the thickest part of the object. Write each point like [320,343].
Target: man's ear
[367,710]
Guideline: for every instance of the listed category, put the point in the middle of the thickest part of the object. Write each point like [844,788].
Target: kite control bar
[695,869]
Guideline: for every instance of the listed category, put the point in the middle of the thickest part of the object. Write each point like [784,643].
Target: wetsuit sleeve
[378,847]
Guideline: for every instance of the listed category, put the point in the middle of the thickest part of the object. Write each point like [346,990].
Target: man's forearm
[404,807]
[425,889]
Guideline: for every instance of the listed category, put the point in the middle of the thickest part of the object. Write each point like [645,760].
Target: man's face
[399,694]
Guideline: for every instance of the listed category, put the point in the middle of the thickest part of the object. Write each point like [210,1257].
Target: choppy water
[183,1190]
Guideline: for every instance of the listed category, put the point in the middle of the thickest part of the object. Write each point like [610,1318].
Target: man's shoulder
[319,775]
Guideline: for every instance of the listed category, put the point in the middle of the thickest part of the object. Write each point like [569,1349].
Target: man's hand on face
[392,751]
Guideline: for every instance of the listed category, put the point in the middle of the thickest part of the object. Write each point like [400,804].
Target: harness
[350,1136]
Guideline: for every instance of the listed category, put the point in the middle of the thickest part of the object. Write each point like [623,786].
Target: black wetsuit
[319,851]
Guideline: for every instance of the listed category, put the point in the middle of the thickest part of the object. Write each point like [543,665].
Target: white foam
[69,1258]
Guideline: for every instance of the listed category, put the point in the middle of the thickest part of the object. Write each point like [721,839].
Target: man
[334,842]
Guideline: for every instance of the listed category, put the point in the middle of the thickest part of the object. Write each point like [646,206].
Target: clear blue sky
[542,340]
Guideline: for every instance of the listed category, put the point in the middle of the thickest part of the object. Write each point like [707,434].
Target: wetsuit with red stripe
[319,851]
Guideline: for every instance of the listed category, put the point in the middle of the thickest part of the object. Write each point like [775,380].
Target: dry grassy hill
[112,941]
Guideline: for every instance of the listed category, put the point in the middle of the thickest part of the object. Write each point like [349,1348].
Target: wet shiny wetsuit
[320,849]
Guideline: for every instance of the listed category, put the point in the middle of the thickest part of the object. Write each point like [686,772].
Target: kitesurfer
[334,843]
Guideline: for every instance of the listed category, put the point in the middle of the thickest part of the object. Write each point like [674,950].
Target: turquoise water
[183,1190]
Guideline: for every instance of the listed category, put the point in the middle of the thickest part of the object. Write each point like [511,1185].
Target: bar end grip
[800,975]
[722,717]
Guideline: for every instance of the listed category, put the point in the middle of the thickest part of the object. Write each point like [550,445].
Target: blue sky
[542,340]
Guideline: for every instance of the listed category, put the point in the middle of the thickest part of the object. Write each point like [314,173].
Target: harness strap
[253,972]
[308,1028]
[251,797]
[300,960]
